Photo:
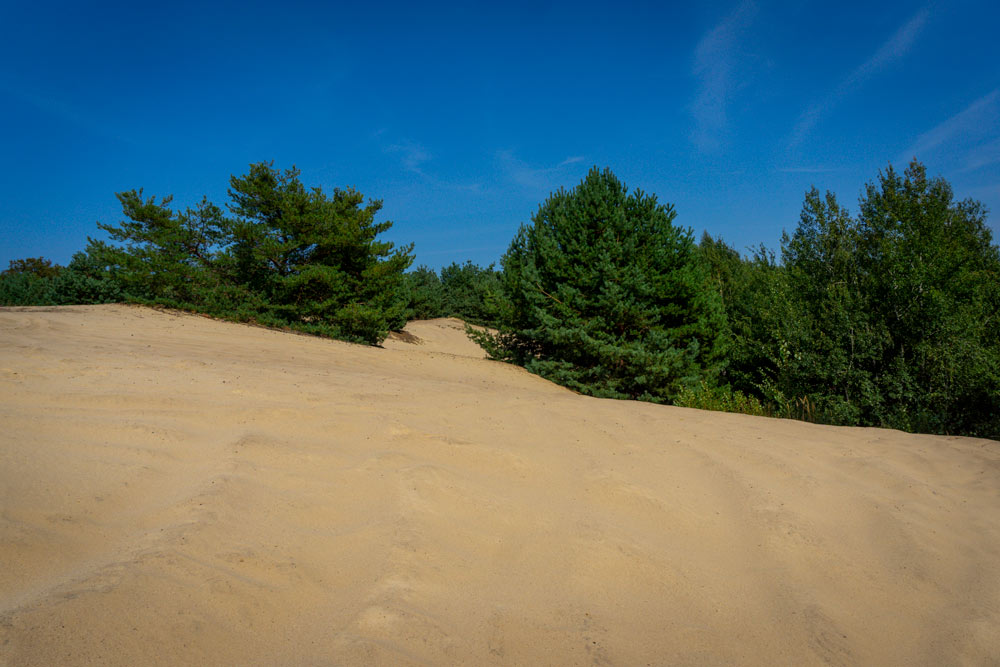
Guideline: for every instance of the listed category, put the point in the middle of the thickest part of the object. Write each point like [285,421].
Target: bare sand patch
[177,490]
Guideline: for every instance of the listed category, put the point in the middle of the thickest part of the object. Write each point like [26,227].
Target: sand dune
[177,490]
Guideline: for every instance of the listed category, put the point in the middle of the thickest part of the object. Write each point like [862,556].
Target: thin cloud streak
[413,155]
[61,110]
[983,156]
[892,50]
[983,113]
[715,60]
[808,170]
[535,178]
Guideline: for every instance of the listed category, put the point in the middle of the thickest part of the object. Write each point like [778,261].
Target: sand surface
[176,490]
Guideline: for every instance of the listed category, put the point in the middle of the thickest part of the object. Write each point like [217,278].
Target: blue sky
[463,118]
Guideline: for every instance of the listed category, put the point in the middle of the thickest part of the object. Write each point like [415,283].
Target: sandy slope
[177,490]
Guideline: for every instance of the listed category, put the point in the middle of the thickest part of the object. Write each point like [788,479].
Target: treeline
[466,291]
[890,317]
[887,318]
[280,254]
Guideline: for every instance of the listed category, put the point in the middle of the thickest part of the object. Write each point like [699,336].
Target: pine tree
[470,292]
[165,254]
[422,294]
[316,258]
[604,295]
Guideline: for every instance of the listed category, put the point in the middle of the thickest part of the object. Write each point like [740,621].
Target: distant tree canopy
[36,266]
[604,295]
[466,291]
[890,318]
[36,281]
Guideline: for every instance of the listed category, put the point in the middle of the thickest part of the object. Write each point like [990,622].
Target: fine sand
[178,490]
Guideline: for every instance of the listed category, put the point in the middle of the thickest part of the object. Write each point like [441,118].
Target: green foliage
[314,258]
[287,256]
[25,288]
[361,324]
[423,294]
[759,316]
[466,291]
[933,277]
[471,293]
[28,282]
[721,399]
[887,318]
[86,280]
[166,255]
[36,266]
[603,294]
[37,282]
[890,318]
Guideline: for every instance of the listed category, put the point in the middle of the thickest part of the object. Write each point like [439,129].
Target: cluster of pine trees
[467,291]
[890,317]
[280,255]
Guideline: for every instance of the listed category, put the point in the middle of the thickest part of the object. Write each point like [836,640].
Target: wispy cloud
[983,156]
[955,133]
[535,178]
[892,50]
[414,158]
[412,155]
[65,112]
[985,192]
[715,60]
[808,170]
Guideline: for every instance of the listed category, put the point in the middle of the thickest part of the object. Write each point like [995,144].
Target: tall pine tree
[606,296]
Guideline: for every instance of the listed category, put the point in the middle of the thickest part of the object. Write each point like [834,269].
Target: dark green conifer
[606,296]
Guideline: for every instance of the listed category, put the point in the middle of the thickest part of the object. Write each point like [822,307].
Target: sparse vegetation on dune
[887,318]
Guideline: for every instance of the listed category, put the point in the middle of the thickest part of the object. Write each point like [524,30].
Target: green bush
[85,280]
[721,399]
[25,289]
[422,294]
[361,324]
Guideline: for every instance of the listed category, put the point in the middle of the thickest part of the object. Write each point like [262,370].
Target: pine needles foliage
[282,255]
[603,294]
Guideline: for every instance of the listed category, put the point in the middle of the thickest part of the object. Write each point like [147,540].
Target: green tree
[315,258]
[471,292]
[760,319]
[28,282]
[932,274]
[423,294]
[604,295]
[36,266]
[165,255]
[86,279]
[35,281]
[890,318]
[835,347]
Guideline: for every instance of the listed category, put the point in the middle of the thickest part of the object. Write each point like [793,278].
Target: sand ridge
[178,490]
